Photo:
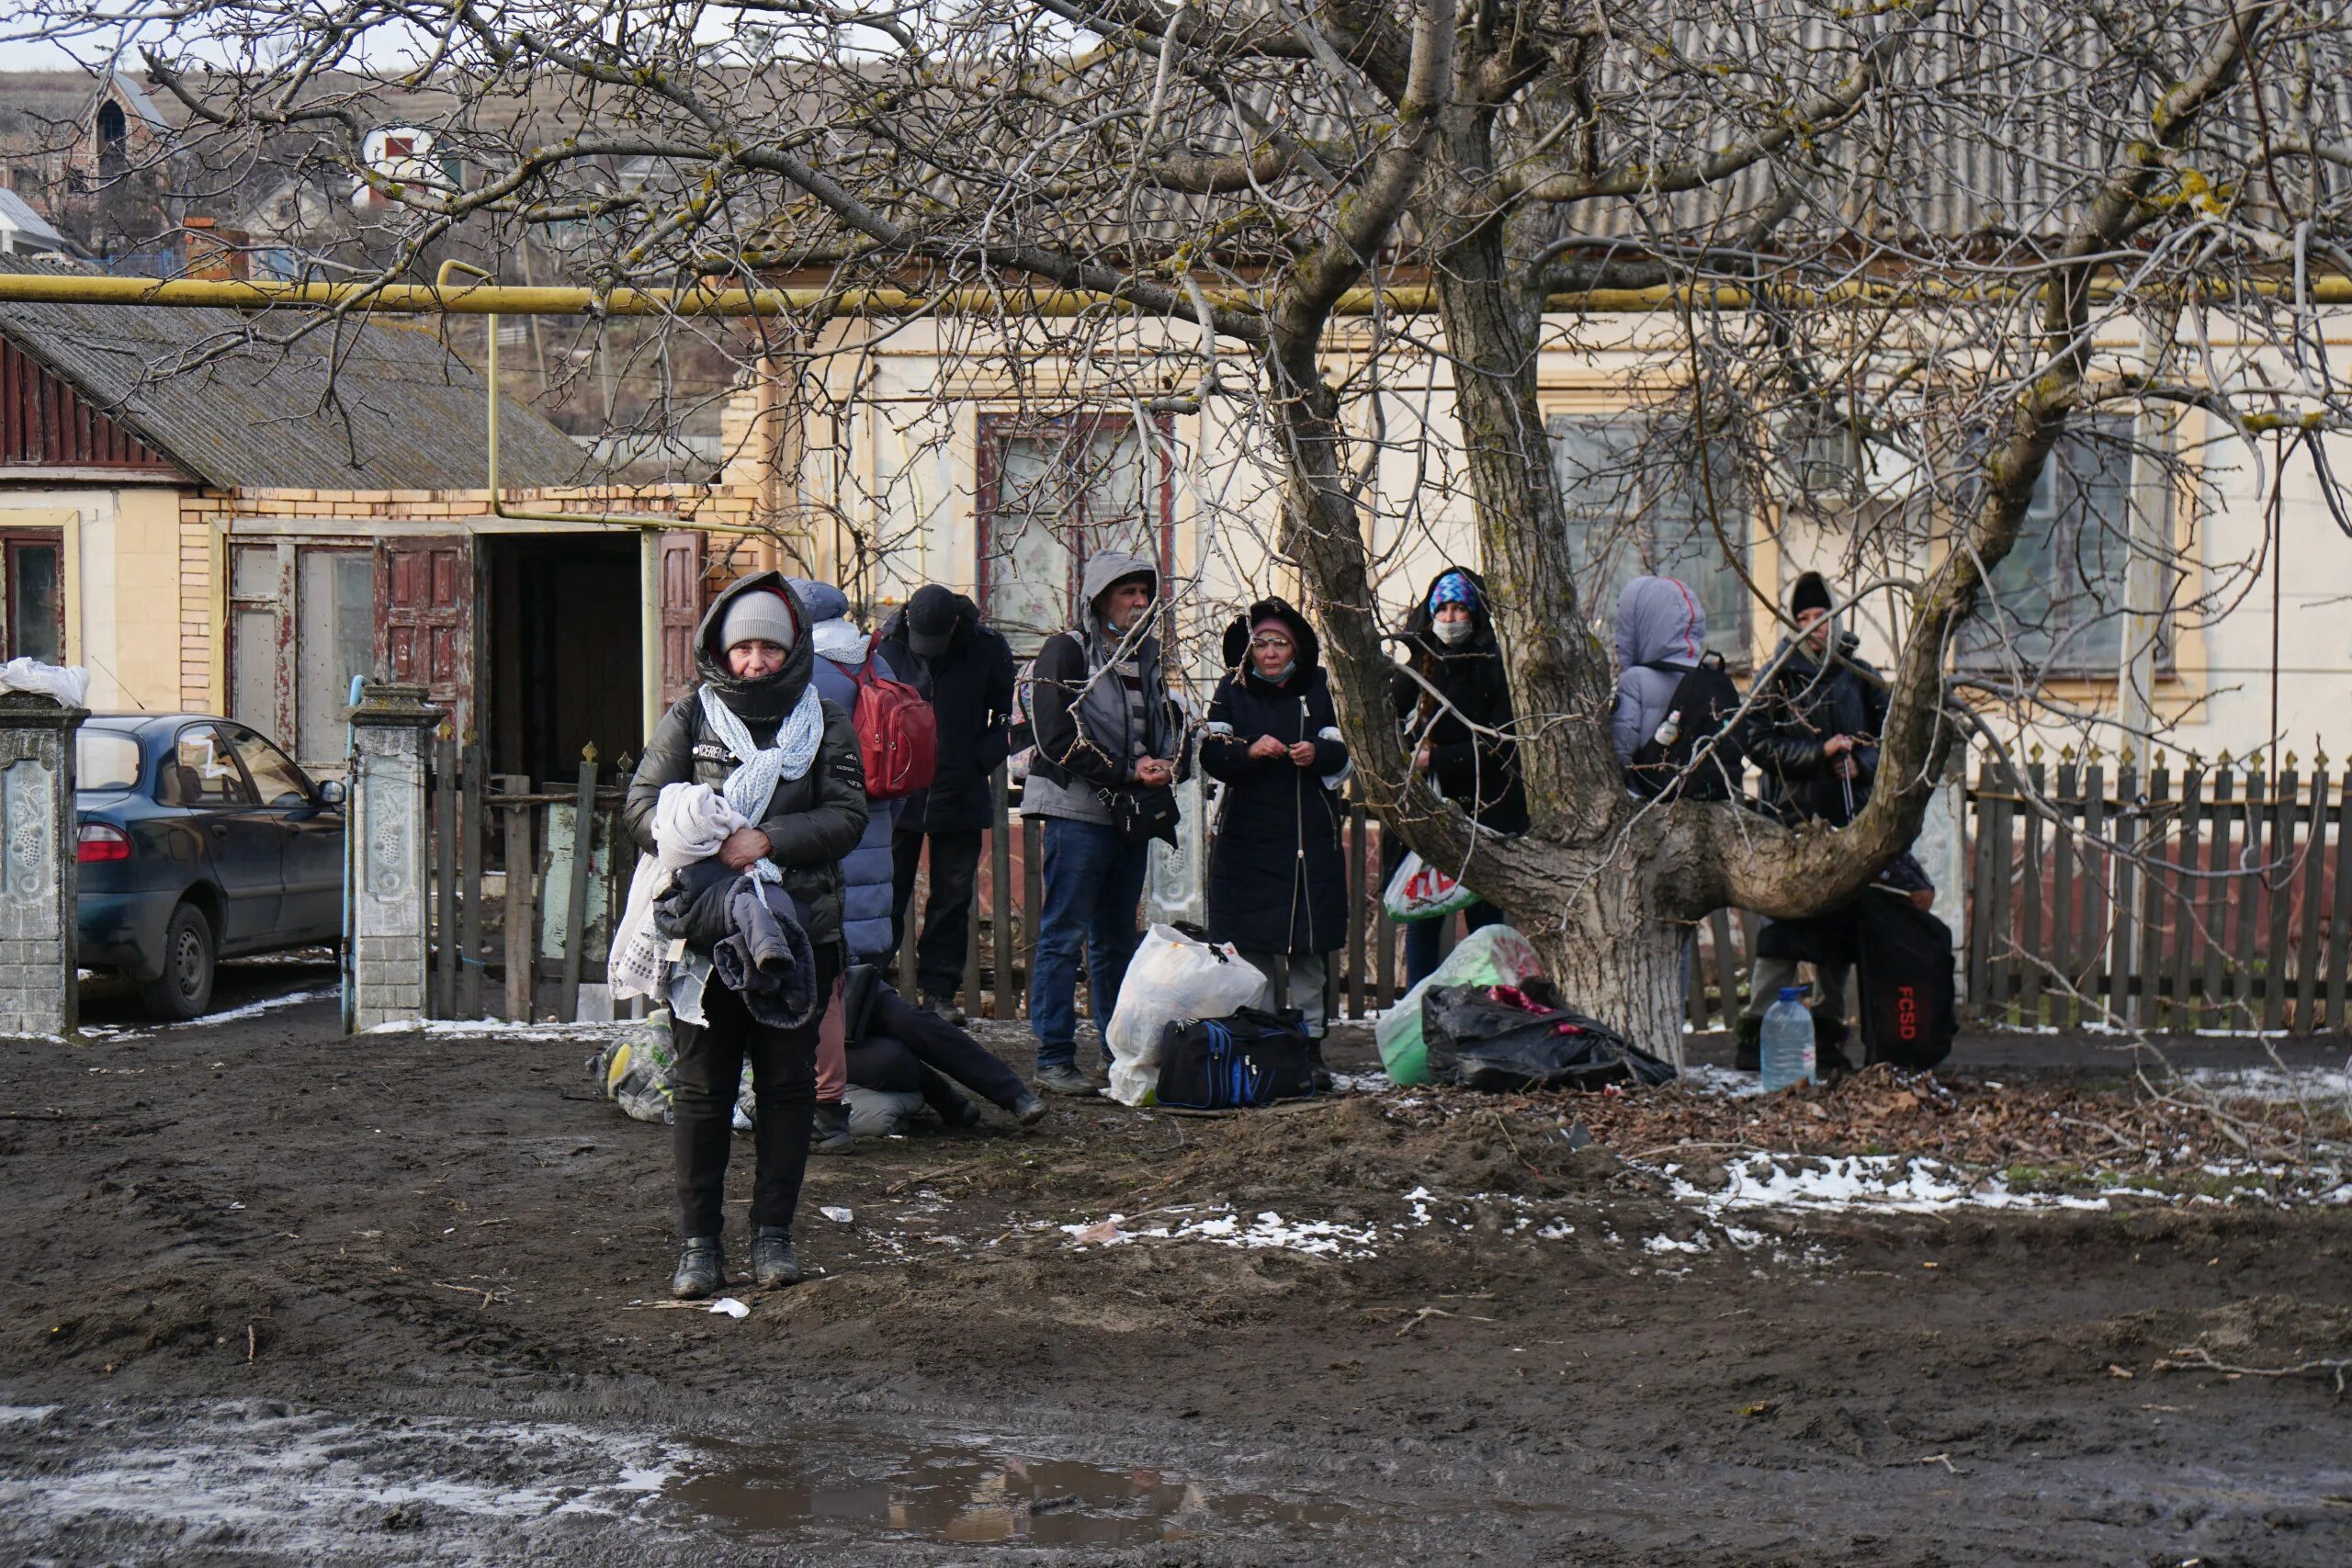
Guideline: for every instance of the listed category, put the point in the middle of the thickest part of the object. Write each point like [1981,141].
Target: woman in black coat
[1278,881]
[1453,678]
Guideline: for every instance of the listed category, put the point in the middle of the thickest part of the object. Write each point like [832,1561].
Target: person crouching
[787,762]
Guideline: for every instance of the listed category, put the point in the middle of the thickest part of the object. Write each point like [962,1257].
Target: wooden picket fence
[2210,896]
[2198,897]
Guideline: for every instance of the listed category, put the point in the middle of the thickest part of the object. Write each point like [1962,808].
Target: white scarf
[759,769]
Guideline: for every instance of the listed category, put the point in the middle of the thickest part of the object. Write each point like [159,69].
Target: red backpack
[897,733]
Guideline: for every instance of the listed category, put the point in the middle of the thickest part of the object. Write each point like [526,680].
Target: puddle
[152,1482]
[975,1497]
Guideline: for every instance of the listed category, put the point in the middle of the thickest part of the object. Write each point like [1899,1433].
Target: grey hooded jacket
[1078,706]
[1660,621]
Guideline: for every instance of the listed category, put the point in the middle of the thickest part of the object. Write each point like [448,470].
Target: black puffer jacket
[970,690]
[813,820]
[1804,701]
[1480,772]
[1278,880]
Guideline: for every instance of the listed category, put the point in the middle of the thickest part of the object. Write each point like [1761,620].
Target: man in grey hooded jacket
[1099,709]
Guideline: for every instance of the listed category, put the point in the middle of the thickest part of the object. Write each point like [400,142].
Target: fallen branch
[2200,1359]
[486,1296]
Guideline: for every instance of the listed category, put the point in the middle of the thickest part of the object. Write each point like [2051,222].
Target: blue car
[199,840]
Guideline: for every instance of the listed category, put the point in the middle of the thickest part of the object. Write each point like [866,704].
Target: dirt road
[267,1295]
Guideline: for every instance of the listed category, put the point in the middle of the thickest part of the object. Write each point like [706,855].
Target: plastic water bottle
[1788,1043]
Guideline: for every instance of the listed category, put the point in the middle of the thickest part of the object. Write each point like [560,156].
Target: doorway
[562,641]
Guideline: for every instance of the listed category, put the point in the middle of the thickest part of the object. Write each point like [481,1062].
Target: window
[301,624]
[1638,504]
[202,772]
[1054,492]
[35,601]
[2055,602]
[277,780]
[114,138]
[105,760]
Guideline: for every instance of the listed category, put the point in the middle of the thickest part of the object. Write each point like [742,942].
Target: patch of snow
[1269,1230]
[255,1009]
[1707,1078]
[2311,1086]
[1903,1183]
[1666,1243]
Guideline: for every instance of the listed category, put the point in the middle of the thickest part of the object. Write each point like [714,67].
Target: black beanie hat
[1810,593]
[931,620]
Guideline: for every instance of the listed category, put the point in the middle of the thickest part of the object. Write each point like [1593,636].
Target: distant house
[210,519]
[24,232]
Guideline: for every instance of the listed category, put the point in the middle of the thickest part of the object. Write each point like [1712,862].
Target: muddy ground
[267,1295]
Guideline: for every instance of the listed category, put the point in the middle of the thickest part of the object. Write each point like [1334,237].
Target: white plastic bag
[67,684]
[1173,976]
[1491,955]
[1420,892]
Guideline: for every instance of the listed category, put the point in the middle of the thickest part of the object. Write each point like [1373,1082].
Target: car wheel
[185,987]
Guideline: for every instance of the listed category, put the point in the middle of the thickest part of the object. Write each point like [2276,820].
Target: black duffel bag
[1516,1038]
[1224,1063]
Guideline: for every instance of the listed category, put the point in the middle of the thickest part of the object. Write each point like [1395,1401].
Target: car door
[243,844]
[310,840]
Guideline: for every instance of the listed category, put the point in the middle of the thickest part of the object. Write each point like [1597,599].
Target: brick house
[212,521]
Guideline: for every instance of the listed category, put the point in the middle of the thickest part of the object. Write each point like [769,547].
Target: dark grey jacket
[812,821]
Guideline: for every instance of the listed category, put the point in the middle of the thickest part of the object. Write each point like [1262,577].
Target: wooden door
[682,608]
[425,635]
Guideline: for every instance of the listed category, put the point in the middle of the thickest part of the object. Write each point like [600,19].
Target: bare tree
[1858,272]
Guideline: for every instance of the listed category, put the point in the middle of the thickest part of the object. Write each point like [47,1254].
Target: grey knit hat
[759,616]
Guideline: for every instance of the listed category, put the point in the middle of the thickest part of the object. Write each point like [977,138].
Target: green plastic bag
[1491,955]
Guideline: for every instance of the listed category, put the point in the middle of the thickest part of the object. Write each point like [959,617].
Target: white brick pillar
[384,871]
[37,845]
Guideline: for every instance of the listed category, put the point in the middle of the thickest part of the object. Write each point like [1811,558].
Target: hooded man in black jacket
[965,669]
[1813,733]
[1452,700]
[754,654]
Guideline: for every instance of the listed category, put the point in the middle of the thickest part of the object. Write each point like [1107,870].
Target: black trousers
[947,913]
[705,1078]
[906,1049]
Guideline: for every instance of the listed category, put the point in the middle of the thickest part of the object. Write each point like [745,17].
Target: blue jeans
[1420,939]
[1094,883]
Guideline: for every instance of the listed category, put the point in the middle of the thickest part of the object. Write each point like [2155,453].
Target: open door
[682,609]
[425,599]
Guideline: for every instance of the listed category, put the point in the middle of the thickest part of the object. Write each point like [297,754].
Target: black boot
[1748,1054]
[702,1268]
[1321,1074]
[771,1260]
[1028,1109]
[830,1136]
[955,1108]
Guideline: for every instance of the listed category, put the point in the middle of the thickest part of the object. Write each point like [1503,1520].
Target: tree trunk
[1614,954]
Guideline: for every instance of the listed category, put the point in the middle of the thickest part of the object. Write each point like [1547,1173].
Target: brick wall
[203,654]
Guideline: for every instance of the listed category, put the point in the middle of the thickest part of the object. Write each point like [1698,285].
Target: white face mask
[1454,634]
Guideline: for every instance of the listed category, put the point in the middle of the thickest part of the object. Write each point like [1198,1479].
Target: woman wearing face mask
[1453,703]
[1278,882]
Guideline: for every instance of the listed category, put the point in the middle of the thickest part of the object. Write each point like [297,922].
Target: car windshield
[106,760]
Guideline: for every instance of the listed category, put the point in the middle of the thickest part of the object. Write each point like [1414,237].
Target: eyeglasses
[1270,640]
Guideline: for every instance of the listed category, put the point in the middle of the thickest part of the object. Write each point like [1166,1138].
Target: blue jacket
[866,870]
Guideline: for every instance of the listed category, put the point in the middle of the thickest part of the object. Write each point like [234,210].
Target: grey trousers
[1768,974]
[1309,974]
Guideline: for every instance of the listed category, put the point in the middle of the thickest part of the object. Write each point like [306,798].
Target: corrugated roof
[346,408]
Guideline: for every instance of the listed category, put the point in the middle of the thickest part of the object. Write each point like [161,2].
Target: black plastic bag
[1512,1038]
